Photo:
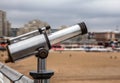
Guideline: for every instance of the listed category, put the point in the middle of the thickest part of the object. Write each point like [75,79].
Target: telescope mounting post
[42,75]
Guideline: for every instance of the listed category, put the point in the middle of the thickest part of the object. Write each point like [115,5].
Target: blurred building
[31,25]
[117,36]
[105,36]
[13,32]
[4,24]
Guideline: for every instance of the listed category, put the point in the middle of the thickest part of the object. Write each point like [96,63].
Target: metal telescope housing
[28,44]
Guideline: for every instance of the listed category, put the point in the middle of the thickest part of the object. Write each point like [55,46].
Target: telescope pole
[41,67]
[41,75]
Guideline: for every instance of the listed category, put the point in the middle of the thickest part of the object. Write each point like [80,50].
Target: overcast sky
[99,15]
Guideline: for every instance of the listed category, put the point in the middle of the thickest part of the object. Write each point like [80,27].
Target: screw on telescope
[42,53]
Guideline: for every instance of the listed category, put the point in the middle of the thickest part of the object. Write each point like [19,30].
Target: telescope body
[26,47]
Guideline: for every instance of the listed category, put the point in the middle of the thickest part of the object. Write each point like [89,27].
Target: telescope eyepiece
[83,28]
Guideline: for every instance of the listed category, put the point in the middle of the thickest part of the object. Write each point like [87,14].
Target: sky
[99,15]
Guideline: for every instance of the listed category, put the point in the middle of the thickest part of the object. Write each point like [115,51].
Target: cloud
[98,14]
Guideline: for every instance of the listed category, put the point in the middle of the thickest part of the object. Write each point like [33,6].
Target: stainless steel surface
[19,49]
[41,65]
[42,81]
[64,34]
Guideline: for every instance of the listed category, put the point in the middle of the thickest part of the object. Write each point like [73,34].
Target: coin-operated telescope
[38,43]
[27,44]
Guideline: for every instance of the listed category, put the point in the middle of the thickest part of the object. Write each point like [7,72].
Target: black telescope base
[41,75]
